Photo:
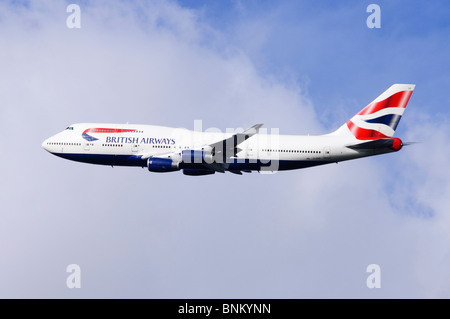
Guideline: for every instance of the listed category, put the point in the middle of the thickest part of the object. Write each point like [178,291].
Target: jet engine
[162,165]
[196,157]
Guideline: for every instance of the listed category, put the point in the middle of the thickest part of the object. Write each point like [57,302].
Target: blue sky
[303,67]
[327,43]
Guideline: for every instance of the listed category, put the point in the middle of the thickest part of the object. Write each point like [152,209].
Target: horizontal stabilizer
[377,144]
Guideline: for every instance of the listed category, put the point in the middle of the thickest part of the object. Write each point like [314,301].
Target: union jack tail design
[380,118]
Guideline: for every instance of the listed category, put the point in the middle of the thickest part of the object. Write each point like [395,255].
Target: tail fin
[380,118]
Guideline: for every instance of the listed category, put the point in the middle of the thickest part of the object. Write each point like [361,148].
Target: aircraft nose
[45,145]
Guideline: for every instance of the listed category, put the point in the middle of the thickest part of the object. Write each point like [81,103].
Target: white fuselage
[132,145]
[167,149]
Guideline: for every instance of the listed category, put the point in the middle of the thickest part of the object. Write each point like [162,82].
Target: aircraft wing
[223,149]
[228,147]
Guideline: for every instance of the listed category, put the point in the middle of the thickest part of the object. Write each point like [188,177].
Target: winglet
[254,129]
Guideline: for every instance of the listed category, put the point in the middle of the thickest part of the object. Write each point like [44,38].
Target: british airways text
[137,140]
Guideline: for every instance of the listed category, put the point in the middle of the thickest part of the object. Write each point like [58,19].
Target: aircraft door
[87,146]
[326,152]
[134,148]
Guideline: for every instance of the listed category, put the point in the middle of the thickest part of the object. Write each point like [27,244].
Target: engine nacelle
[196,157]
[197,172]
[162,165]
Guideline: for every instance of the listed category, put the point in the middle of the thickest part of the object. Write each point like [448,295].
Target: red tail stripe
[399,99]
[364,134]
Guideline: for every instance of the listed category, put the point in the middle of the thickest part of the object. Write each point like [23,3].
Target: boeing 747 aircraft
[167,149]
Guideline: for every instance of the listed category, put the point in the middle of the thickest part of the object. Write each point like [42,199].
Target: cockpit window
[69,128]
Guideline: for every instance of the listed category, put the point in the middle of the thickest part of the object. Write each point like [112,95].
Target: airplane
[168,149]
